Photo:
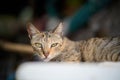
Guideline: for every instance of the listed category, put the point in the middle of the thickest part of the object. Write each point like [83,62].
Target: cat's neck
[68,44]
[72,45]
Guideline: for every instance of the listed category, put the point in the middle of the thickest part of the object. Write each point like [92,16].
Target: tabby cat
[53,46]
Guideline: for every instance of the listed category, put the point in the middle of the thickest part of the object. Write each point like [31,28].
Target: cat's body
[52,46]
[92,50]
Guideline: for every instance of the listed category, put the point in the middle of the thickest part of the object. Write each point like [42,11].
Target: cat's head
[46,44]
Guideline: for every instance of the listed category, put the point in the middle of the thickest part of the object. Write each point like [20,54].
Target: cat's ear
[59,29]
[31,30]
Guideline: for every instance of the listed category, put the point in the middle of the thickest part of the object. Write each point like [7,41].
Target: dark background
[86,19]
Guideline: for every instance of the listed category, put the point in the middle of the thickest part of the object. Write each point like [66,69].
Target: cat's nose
[46,55]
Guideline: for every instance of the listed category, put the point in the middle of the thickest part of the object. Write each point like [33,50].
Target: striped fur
[52,46]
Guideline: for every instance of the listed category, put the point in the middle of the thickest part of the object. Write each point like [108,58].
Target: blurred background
[82,19]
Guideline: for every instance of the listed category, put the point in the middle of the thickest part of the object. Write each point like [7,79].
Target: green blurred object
[85,13]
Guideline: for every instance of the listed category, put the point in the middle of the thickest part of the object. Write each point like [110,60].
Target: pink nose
[46,55]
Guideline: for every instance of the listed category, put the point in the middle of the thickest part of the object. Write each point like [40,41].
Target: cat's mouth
[43,59]
[46,60]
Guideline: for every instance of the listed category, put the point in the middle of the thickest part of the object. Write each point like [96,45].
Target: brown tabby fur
[53,46]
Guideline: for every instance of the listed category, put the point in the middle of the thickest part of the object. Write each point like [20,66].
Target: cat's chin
[45,60]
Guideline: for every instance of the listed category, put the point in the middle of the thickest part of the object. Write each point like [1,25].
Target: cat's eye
[54,44]
[39,45]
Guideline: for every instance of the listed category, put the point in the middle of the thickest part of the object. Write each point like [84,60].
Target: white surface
[63,71]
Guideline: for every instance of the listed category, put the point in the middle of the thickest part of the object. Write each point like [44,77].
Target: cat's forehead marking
[47,34]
